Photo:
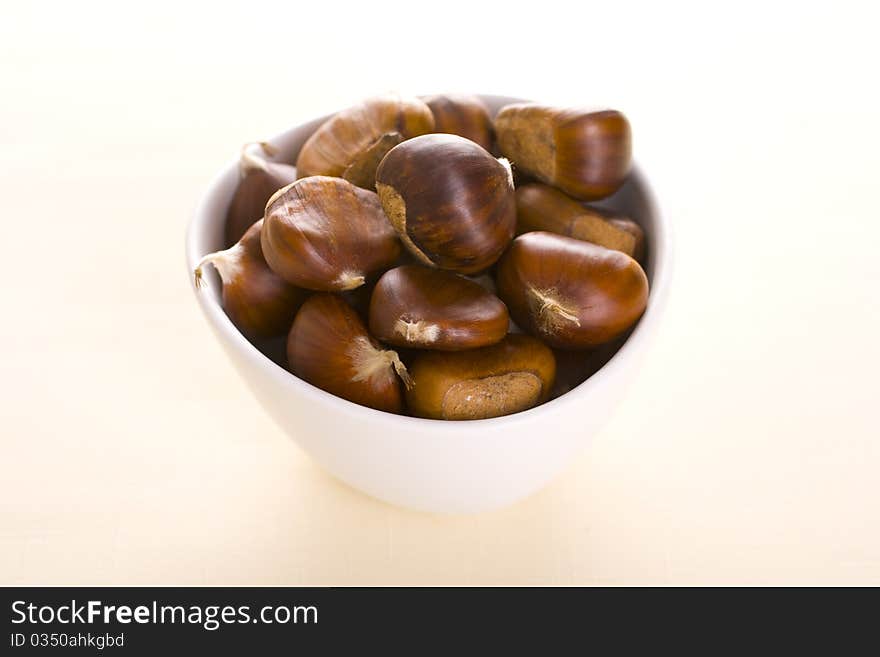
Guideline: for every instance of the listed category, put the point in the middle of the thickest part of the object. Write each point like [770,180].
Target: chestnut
[351,143]
[414,306]
[462,115]
[258,301]
[585,153]
[325,234]
[509,376]
[259,179]
[541,207]
[631,227]
[450,201]
[328,346]
[570,293]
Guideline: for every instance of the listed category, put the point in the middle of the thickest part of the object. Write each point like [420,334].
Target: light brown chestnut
[585,153]
[258,301]
[326,234]
[541,207]
[510,376]
[329,347]
[462,115]
[259,178]
[351,144]
[414,306]
[450,201]
[570,293]
[631,227]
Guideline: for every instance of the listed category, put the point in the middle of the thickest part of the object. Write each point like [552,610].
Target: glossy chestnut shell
[541,207]
[351,143]
[329,346]
[259,302]
[450,201]
[585,153]
[326,234]
[259,179]
[462,115]
[509,376]
[572,294]
[418,307]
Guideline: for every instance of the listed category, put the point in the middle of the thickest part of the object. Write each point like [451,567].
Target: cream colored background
[747,451]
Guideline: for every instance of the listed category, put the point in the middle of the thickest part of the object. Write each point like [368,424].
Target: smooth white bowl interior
[430,464]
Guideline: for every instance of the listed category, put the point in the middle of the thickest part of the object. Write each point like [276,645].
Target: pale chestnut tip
[249,160]
[349,281]
[369,361]
[417,332]
[226,262]
[552,309]
[506,164]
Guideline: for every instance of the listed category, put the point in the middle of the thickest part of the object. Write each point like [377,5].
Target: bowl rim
[660,250]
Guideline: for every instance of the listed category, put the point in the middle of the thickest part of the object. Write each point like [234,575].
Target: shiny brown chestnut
[570,293]
[258,301]
[450,201]
[351,143]
[326,234]
[462,115]
[414,306]
[541,207]
[329,346]
[507,377]
[585,153]
[259,178]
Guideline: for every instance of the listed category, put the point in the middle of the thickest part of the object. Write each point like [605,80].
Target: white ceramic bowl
[432,465]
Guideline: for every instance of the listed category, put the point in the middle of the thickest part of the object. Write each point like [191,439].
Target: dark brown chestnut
[462,115]
[259,178]
[507,377]
[414,306]
[450,201]
[352,142]
[329,347]
[258,301]
[585,153]
[541,207]
[326,234]
[570,293]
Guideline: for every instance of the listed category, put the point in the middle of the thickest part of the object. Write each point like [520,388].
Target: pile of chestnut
[409,272]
